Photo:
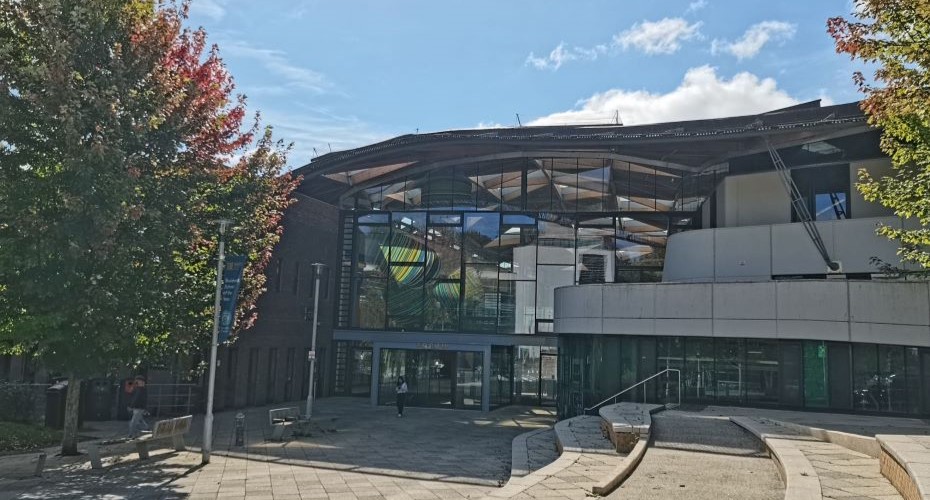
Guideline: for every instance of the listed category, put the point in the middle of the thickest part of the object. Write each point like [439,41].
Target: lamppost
[317,272]
[208,417]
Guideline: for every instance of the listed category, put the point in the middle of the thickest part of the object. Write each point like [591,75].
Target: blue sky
[341,74]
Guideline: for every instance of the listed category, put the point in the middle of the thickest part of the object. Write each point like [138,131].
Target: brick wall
[267,364]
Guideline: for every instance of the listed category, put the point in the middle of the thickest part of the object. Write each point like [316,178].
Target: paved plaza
[355,452]
[697,458]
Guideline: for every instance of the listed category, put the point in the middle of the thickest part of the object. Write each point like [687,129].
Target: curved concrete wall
[755,253]
[887,312]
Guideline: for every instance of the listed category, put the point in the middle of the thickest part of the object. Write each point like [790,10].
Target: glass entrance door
[548,371]
[436,379]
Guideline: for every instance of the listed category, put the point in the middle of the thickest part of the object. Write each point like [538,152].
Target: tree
[894,35]
[120,139]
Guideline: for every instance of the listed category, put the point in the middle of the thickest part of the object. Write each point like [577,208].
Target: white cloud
[752,41]
[483,125]
[701,94]
[560,55]
[319,128]
[213,9]
[658,37]
[695,6]
[276,63]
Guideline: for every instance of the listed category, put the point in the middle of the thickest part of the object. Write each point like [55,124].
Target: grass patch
[22,437]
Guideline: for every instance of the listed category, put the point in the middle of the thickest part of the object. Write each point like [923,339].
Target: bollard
[240,429]
[40,464]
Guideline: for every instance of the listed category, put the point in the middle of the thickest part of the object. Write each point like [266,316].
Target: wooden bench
[173,428]
[282,418]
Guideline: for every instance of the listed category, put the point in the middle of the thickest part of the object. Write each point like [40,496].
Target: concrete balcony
[756,253]
[888,312]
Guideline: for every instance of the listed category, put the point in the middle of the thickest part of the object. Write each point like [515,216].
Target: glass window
[914,389]
[670,354]
[825,191]
[816,394]
[502,376]
[730,365]
[480,306]
[790,373]
[838,365]
[526,375]
[698,378]
[761,381]
[867,384]
[482,238]
[892,378]
[468,379]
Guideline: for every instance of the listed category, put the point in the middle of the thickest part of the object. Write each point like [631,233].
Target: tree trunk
[72,404]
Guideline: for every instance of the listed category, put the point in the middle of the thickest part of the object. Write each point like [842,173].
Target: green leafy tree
[120,140]
[894,36]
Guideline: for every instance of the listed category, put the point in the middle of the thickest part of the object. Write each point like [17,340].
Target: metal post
[317,271]
[208,417]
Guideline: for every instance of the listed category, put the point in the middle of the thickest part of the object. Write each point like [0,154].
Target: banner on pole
[232,278]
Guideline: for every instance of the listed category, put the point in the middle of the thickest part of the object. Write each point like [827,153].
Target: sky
[338,74]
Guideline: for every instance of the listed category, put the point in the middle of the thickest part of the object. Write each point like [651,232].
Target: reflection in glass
[815,374]
[761,382]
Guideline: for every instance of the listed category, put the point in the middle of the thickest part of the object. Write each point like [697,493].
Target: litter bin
[98,399]
[56,399]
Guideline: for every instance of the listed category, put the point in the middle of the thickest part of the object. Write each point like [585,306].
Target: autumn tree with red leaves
[894,35]
[120,140]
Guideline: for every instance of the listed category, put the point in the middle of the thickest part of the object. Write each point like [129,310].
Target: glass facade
[438,379]
[480,247]
[875,378]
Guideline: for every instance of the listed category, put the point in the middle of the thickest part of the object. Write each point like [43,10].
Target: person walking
[401,391]
[138,401]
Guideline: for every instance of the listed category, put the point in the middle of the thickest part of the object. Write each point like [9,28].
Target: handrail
[641,382]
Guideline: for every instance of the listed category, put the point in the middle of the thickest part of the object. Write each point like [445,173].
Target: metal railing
[643,383]
[171,400]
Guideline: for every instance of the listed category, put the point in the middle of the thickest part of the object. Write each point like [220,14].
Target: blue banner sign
[232,278]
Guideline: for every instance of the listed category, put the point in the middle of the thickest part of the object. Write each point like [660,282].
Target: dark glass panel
[375,218]
[790,373]
[526,375]
[592,184]
[564,178]
[488,183]
[540,194]
[370,305]
[441,307]
[698,378]
[405,299]
[548,375]
[730,364]
[468,378]
[517,308]
[838,364]
[517,251]
[761,382]
[480,306]
[892,378]
[914,389]
[481,238]
[372,248]
[670,354]
[816,394]
[646,367]
[925,380]
[502,375]
[867,386]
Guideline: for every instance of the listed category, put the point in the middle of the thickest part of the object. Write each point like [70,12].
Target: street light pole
[317,271]
[208,417]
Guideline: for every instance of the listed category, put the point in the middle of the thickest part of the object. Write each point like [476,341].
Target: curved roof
[685,146]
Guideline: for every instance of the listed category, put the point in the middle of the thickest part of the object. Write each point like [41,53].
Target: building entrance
[436,379]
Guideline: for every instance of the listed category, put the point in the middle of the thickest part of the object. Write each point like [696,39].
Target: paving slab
[354,451]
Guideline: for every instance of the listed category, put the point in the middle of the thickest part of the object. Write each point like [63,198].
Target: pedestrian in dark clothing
[401,390]
[138,401]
